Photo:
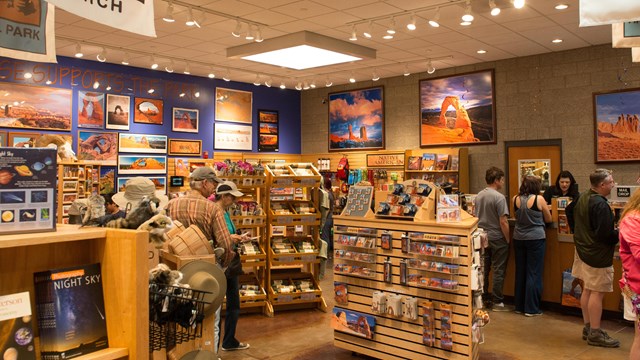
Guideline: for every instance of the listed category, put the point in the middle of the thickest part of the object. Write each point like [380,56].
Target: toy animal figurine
[65,150]
[164,276]
[145,211]
[95,208]
[157,226]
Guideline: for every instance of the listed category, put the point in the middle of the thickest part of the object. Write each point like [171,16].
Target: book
[414,163]
[454,162]
[428,161]
[341,293]
[442,160]
[16,329]
[70,311]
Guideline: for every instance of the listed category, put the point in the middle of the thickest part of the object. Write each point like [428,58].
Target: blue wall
[135,82]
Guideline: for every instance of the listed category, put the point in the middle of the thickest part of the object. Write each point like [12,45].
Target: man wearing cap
[195,209]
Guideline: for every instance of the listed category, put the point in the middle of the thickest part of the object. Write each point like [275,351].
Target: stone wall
[545,96]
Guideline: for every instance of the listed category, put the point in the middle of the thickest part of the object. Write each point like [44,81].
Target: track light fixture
[412,22]
[328,82]
[392,26]
[467,17]
[169,67]
[268,82]
[368,32]
[495,10]
[151,91]
[298,86]
[375,76]
[305,85]
[187,69]
[313,84]
[125,59]
[352,78]
[154,64]
[237,32]
[249,35]
[190,20]
[227,76]
[259,34]
[197,94]
[434,22]
[257,82]
[282,85]
[78,53]
[96,85]
[102,57]
[406,70]
[518,4]
[354,34]
[168,17]
[108,87]
[211,73]
[430,68]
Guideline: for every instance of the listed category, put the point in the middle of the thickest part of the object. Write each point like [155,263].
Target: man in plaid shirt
[194,208]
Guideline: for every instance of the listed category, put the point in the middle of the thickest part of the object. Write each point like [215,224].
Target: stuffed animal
[95,209]
[145,211]
[157,226]
[162,275]
[65,150]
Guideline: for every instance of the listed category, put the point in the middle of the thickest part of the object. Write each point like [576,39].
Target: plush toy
[157,226]
[162,275]
[65,150]
[145,211]
[95,209]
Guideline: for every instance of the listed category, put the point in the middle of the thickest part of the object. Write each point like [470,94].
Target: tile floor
[307,335]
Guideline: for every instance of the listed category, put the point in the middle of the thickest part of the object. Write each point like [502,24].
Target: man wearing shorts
[595,238]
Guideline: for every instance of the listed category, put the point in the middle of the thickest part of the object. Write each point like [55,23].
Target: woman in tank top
[531,212]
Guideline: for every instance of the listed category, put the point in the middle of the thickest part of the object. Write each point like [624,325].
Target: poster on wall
[148,111]
[356,120]
[118,112]
[20,23]
[232,137]
[182,167]
[185,147]
[616,117]
[142,143]
[35,107]
[185,120]
[268,138]
[141,164]
[458,110]
[234,105]
[27,190]
[22,139]
[98,146]
[107,180]
[160,182]
[90,109]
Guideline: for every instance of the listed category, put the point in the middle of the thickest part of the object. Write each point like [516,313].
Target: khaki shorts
[595,279]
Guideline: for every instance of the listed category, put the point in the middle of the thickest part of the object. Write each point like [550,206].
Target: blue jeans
[529,268]
[232,314]
[495,259]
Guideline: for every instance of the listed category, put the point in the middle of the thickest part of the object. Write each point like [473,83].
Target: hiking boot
[599,337]
[585,331]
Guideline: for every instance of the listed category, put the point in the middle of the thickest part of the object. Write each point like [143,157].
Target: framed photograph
[234,105]
[356,119]
[148,111]
[22,139]
[232,137]
[185,120]
[70,185]
[69,198]
[159,181]
[181,167]
[98,146]
[268,123]
[354,323]
[458,110]
[65,210]
[141,164]
[90,109]
[3,138]
[107,180]
[118,112]
[35,107]
[616,120]
[185,147]
[142,143]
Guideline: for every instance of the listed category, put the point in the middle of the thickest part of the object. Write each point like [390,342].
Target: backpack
[343,169]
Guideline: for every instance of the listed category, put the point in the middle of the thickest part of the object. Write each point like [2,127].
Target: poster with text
[268,137]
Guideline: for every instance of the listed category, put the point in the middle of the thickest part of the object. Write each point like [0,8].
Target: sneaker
[585,331]
[533,314]
[241,346]
[599,337]
[500,307]
[518,312]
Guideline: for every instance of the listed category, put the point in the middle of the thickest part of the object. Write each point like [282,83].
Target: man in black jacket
[595,238]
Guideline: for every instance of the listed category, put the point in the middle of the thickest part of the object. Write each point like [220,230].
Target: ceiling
[514,33]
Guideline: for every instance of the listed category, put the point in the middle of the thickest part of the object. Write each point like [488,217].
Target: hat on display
[137,188]
[204,173]
[228,187]
[205,276]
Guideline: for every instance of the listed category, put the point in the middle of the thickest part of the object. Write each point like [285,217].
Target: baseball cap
[204,173]
[228,187]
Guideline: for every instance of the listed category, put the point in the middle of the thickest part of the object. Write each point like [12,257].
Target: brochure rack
[400,336]
[455,173]
[76,180]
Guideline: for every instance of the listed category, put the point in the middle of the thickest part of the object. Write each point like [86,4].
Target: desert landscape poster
[98,146]
[234,105]
[35,107]
[356,120]
[139,164]
[616,129]
[268,140]
[458,110]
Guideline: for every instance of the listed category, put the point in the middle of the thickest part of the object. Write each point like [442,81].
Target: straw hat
[137,188]
[206,276]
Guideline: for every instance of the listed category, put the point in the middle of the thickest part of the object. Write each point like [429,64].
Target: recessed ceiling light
[481,51]
[465,23]
[562,6]
[556,41]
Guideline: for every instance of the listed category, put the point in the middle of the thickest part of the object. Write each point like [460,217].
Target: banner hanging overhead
[625,35]
[635,54]
[135,16]
[27,30]
[599,12]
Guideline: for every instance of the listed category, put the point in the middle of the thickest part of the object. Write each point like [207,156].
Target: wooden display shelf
[293,258]
[254,260]
[302,297]
[249,221]
[105,354]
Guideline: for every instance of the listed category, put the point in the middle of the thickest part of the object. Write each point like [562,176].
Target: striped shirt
[195,209]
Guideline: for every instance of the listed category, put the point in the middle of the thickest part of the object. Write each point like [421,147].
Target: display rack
[76,180]
[456,174]
[400,335]
[293,236]
[559,217]
[122,255]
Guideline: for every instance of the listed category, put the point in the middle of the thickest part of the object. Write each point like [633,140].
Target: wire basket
[175,315]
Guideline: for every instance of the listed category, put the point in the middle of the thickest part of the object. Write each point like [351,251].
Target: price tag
[308,296]
[308,182]
[285,298]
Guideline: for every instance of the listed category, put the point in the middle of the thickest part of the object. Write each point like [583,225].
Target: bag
[343,169]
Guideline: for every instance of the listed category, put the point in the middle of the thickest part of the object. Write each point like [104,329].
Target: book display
[421,291]
[293,235]
[439,166]
[76,180]
[16,322]
[559,217]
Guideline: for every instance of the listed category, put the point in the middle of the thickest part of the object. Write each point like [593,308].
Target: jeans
[233,313]
[529,267]
[495,259]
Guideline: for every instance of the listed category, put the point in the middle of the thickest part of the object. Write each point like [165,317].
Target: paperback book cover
[428,161]
[442,160]
[70,311]
[16,331]
[414,163]
[454,164]
[341,293]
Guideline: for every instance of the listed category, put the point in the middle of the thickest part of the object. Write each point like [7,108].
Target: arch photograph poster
[356,120]
[458,110]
